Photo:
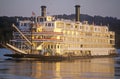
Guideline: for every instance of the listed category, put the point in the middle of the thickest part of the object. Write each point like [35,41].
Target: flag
[33,13]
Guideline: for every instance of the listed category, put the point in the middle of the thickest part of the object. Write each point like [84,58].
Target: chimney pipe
[77,12]
[43,11]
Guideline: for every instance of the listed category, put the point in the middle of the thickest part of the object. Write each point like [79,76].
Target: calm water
[98,68]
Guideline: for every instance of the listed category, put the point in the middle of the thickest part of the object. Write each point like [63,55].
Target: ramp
[17,50]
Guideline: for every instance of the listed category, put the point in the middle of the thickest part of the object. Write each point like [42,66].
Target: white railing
[22,34]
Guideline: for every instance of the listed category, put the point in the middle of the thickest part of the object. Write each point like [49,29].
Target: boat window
[41,19]
[95,29]
[48,46]
[44,19]
[68,25]
[81,45]
[76,26]
[25,24]
[45,24]
[106,30]
[21,24]
[111,41]
[111,36]
[52,24]
[51,46]
[49,24]
[80,27]
[58,46]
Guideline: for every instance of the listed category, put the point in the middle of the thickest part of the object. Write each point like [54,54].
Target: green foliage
[114,24]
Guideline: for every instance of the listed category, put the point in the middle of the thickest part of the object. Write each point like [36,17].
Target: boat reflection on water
[99,68]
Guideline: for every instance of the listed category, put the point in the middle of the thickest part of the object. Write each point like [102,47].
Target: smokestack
[77,12]
[43,11]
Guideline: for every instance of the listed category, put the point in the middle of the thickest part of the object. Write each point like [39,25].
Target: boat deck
[53,58]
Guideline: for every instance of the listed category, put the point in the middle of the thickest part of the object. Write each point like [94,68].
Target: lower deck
[91,51]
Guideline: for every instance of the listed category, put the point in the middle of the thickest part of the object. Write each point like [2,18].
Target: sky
[110,8]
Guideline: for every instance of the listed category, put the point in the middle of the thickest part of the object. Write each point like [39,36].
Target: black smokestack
[43,11]
[77,12]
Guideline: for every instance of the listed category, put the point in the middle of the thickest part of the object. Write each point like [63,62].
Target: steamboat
[48,38]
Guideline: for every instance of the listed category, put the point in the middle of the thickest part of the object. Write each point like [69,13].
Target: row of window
[24,24]
[72,39]
[87,40]
[88,34]
[49,24]
[89,46]
[96,29]
[50,46]
[83,27]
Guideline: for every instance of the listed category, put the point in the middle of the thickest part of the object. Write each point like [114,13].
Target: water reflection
[100,68]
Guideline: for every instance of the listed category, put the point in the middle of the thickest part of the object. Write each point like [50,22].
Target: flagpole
[34,16]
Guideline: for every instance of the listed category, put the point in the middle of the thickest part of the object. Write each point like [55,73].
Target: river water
[97,68]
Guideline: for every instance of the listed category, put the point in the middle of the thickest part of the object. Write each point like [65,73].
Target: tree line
[113,23]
